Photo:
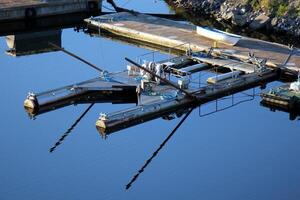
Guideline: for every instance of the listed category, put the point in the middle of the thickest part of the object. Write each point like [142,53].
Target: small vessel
[218,35]
[285,97]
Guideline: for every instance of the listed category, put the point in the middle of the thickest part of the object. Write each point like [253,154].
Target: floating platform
[11,10]
[179,104]
[282,97]
[105,89]
[141,28]
[108,88]
[163,89]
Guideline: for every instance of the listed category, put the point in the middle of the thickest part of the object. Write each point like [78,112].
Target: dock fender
[31,105]
[30,13]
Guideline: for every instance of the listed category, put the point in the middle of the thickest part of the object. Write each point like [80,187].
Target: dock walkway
[11,10]
[6,4]
[183,36]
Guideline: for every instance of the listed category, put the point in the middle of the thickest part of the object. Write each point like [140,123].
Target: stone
[227,15]
[242,14]
[259,22]
[223,8]
[239,20]
[274,21]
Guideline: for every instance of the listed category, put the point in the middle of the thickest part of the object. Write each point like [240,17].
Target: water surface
[246,152]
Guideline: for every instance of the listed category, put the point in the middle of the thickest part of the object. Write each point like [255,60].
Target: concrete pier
[11,10]
[182,36]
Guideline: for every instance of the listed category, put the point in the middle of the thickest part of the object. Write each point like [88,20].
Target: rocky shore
[271,15]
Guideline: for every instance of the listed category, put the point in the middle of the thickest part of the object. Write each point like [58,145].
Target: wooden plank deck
[12,10]
[6,4]
[182,36]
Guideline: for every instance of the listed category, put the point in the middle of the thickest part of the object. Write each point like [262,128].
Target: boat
[286,96]
[218,35]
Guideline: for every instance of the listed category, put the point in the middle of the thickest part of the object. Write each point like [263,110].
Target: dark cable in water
[63,137]
[157,151]
[77,57]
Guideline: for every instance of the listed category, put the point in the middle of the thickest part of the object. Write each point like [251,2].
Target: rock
[297,33]
[223,8]
[239,20]
[259,22]
[241,13]
[227,15]
[274,21]
[246,9]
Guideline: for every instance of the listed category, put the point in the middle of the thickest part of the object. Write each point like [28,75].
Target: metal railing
[153,55]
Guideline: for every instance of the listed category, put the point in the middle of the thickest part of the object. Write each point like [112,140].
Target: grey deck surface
[182,36]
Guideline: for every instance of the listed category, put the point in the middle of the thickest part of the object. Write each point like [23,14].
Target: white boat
[217,35]
[295,86]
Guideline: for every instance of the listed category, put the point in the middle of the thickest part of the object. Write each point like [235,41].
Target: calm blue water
[246,152]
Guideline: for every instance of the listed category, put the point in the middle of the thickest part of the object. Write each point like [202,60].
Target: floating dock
[167,88]
[141,28]
[105,89]
[180,104]
[283,97]
[153,95]
[11,10]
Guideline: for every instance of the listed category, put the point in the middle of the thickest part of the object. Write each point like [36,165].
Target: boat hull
[219,36]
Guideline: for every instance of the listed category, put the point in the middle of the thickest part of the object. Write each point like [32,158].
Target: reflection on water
[63,137]
[32,43]
[293,114]
[43,24]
